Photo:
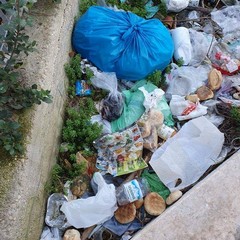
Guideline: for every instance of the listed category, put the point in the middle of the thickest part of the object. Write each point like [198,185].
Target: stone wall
[22,204]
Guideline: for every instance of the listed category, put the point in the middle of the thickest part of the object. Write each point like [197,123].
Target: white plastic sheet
[82,213]
[188,154]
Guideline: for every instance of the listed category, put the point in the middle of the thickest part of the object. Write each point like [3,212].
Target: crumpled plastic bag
[186,79]
[184,109]
[55,218]
[176,5]
[188,154]
[82,213]
[112,105]
[182,44]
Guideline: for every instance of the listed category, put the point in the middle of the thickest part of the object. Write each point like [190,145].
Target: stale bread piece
[214,79]
[72,234]
[173,197]
[125,214]
[204,93]
[154,204]
[138,203]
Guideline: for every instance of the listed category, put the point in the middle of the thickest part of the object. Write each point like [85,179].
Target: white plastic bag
[176,5]
[188,154]
[182,44]
[151,99]
[184,109]
[82,213]
[185,80]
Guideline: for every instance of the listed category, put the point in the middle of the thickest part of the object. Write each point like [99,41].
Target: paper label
[133,190]
[232,66]
[165,132]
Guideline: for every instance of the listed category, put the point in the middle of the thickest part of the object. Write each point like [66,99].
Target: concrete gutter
[22,204]
[209,211]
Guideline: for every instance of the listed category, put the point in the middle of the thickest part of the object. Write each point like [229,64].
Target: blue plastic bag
[122,42]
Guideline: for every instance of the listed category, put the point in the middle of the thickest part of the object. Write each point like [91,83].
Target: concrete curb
[209,211]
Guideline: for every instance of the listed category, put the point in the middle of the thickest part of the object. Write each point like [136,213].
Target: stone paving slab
[209,211]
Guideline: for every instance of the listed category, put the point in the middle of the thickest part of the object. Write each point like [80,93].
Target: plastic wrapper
[184,109]
[121,152]
[112,105]
[54,217]
[188,154]
[82,213]
[186,79]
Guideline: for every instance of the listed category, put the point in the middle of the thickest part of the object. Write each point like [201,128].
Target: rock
[72,234]
[173,197]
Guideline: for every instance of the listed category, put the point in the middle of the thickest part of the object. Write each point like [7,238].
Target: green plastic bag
[134,109]
[156,184]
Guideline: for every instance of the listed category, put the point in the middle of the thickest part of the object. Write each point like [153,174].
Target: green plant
[15,94]
[77,170]
[157,78]
[85,4]
[55,184]
[74,72]
[78,130]
[235,115]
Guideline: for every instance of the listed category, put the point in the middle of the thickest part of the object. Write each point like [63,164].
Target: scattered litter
[161,134]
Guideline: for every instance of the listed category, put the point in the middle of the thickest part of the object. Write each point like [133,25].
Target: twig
[217,3]
[188,20]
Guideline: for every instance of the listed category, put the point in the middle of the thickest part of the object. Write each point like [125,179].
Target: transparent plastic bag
[188,154]
[82,213]
[201,45]
[228,19]
[112,105]
[185,80]
[104,123]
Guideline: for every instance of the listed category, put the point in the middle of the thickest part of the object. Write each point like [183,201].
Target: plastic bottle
[132,191]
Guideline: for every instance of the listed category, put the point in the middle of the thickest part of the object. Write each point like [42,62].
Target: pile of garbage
[156,142]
